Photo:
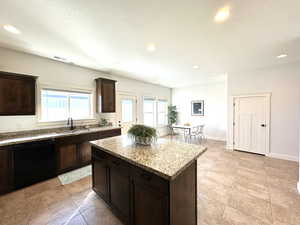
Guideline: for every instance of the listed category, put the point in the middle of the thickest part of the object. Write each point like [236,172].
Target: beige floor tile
[234,188]
[75,219]
[225,179]
[281,214]
[286,174]
[279,163]
[235,217]
[100,217]
[252,206]
[41,187]
[284,198]
[214,191]
[251,176]
[252,188]
[225,167]
[282,184]
[210,212]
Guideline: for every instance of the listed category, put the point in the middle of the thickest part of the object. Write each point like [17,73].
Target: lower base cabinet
[6,171]
[100,182]
[145,198]
[69,153]
[67,156]
[119,191]
[75,151]
[138,197]
[85,152]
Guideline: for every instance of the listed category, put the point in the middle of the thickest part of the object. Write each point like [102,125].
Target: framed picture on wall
[198,108]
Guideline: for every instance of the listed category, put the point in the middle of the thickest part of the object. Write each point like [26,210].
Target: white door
[126,111]
[250,124]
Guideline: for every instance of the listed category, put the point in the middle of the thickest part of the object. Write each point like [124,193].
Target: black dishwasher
[34,162]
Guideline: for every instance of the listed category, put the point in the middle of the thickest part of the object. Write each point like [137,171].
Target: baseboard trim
[283,156]
[215,138]
[229,147]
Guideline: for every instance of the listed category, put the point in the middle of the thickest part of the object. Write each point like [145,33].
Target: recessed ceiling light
[11,29]
[151,47]
[281,56]
[196,67]
[222,15]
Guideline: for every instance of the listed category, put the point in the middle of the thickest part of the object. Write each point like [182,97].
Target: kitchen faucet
[70,122]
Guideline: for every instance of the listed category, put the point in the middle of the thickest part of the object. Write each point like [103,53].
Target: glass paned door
[126,111]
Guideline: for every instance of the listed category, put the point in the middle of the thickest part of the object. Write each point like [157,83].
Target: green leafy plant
[172,114]
[142,134]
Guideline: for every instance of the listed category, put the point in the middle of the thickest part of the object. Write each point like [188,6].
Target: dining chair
[198,134]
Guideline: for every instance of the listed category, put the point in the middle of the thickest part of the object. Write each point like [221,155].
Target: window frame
[91,119]
[156,99]
[154,109]
[157,113]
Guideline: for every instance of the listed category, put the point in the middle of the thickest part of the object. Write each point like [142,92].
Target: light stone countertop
[45,136]
[166,158]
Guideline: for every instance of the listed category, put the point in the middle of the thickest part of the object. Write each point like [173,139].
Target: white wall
[215,107]
[60,75]
[283,82]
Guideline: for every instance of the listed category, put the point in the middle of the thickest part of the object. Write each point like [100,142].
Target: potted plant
[172,117]
[172,114]
[142,134]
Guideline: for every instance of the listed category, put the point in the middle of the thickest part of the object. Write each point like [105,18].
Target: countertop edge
[158,173]
[52,136]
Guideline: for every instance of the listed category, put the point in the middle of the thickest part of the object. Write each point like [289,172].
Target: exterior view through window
[60,105]
[155,112]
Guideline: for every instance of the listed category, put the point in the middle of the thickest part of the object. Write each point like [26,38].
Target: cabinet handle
[146,176]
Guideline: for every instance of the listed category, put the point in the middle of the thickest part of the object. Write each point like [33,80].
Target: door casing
[268,117]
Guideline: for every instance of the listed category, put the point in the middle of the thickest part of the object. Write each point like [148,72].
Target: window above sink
[59,105]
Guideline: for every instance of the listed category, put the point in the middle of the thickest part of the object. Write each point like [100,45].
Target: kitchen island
[147,185]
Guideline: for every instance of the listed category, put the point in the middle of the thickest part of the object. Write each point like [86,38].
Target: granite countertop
[6,141]
[166,158]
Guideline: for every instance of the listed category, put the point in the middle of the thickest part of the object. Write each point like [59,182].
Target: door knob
[263,125]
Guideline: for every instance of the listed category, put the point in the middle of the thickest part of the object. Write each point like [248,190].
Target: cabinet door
[150,207]
[17,94]
[6,174]
[108,96]
[85,152]
[100,178]
[67,157]
[120,189]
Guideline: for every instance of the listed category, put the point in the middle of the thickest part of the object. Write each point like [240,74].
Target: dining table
[186,128]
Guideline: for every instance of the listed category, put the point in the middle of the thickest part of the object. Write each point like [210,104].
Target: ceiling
[113,35]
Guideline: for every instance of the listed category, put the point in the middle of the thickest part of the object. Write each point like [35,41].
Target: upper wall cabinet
[106,95]
[17,94]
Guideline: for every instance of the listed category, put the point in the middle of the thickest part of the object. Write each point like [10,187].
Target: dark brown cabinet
[145,197]
[17,94]
[67,156]
[85,152]
[24,164]
[6,170]
[112,183]
[139,197]
[100,183]
[120,189]
[75,151]
[105,95]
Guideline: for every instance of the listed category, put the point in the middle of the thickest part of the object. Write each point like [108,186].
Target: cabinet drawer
[110,133]
[119,164]
[99,154]
[150,179]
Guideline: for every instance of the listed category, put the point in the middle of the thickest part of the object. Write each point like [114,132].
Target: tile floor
[234,188]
